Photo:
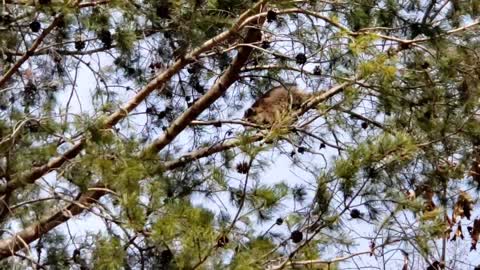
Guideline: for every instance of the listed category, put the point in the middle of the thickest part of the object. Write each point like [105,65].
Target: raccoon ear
[249,112]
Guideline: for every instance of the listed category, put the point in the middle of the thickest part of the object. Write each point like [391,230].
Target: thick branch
[156,83]
[8,247]
[29,234]
[317,99]
[229,77]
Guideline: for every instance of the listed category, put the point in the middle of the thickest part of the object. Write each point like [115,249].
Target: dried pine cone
[243,167]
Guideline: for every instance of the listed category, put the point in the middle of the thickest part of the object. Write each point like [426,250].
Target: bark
[30,51]
[229,77]
[157,83]
[32,233]
[9,246]
[207,151]
[20,240]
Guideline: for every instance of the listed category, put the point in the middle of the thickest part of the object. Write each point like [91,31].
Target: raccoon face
[275,103]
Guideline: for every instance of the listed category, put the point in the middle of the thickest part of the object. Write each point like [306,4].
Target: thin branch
[337,259]
[363,118]
[318,138]
[32,232]
[229,77]
[235,219]
[30,51]
[220,122]
[385,37]
[156,83]
[93,3]
[209,150]
[320,227]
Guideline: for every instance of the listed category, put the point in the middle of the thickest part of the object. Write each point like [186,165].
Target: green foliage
[175,191]
[184,221]
[380,68]
[387,149]
[360,44]
[322,195]
[360,16]
[189,225]
[229,7]
[266,199]
[218,176]
[249,257]
[98,19]
[386,16]
[125,39]
[108,254]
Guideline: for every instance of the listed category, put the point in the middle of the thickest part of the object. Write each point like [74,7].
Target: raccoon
[274,103]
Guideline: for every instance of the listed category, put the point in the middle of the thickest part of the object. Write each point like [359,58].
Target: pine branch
[31,233]
[157,83]
[229,77]
[31,51]
[337,259]
[8,247]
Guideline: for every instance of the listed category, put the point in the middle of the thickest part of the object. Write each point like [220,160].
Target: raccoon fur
[276,103]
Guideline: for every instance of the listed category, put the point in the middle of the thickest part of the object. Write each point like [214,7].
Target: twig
[30,51]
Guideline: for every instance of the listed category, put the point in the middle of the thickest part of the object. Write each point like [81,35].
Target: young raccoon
[275,102]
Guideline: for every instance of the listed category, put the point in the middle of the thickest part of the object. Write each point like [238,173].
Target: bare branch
[220,122]
[209,150]
[337,259]
[156,83]
[8,247]
[216,91]
[31,233]
[30,51]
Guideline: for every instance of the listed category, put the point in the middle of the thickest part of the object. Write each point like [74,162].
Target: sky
[280,170]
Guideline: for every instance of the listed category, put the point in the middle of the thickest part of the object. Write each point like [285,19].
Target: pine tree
[123,142]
